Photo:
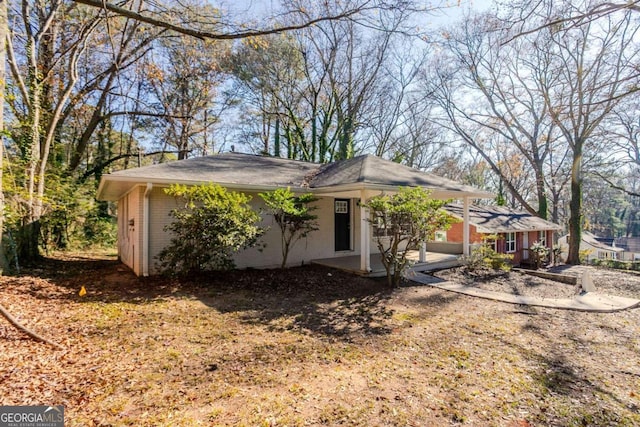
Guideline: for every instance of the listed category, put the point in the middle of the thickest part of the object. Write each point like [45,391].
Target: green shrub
[557,253]
[293,215]
[485,256]
[617,264]
[100,231]
[401,221]
[213,224]
[540,253]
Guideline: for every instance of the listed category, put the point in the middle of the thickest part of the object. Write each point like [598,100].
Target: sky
[452,11]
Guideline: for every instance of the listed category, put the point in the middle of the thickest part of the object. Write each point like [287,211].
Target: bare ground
[312,346]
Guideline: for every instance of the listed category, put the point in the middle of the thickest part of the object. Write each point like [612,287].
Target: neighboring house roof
[592,240]
[263,173]
[629,244]
[501,219]
[609,241]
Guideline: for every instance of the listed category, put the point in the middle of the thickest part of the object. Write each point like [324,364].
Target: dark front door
[342,212]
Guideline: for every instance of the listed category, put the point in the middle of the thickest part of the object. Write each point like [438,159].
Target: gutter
[145,230]
[440,192]
[161,182]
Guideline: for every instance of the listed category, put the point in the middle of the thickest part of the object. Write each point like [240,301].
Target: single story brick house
[516,230]
[344,229]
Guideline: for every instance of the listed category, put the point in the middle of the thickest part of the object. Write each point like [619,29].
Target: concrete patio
[351,263]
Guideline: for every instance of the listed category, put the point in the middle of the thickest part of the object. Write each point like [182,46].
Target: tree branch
[25,330]
[615,186]
[595,12]
[143,114]
[103,165]
[209,35]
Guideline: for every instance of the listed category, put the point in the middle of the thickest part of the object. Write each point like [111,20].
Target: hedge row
[617,264]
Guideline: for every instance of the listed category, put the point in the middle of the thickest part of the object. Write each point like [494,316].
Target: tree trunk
[543,204]
[3,57]
[575,206]
[276,140]
[28,239]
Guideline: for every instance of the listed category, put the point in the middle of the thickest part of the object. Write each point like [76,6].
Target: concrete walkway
[590,301]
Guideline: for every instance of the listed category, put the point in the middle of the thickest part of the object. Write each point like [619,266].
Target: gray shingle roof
[501,219]
[247,170]
[592,240]
[230,168]
[375,170]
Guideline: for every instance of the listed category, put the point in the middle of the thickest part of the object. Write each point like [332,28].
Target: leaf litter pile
[309,346]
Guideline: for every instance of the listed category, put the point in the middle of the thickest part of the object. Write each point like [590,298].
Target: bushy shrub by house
[485,256]
[212,224]
[402,221]
[293,214]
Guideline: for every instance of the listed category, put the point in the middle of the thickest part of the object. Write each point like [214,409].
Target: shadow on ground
[560,375]
[309,298]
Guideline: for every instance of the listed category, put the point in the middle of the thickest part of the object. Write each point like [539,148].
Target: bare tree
[317,89]
[184,77]
[594,69]
[506,82]
[528,17]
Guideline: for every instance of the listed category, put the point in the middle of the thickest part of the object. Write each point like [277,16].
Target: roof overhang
[369,188]
[489,230]
[113,187]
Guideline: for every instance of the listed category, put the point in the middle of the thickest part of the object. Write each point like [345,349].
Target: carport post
[465,226]
[365,248]
[145,230]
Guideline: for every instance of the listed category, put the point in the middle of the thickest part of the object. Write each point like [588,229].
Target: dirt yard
[312,346]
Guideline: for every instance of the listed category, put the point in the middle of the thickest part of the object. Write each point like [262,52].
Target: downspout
[145,230]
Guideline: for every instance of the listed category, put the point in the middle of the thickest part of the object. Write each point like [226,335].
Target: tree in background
[543,96]
[182,78]
[402,221]
[293,214]
[211,225]
[268,74]
[315,93]
[60,84]
[594,69]
[509,119]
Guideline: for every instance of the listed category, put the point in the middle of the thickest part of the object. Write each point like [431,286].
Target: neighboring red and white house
[516,230]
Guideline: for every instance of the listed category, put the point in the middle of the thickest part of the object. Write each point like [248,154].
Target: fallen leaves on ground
[308,346]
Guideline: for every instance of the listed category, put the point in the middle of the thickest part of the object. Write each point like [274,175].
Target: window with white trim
[542,237]
[510,243]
